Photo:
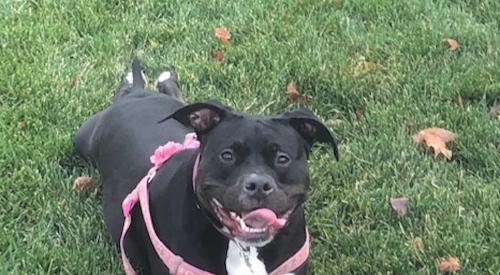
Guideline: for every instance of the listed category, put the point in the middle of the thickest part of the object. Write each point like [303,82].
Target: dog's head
[253,171]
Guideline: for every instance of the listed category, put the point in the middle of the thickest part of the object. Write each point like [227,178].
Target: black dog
[245,214]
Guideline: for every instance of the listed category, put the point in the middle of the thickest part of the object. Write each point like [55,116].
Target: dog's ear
[201,116]
[310,128]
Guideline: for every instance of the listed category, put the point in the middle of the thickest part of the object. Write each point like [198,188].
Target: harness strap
[296,260]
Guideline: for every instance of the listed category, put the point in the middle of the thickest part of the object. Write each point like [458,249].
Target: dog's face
[253,171]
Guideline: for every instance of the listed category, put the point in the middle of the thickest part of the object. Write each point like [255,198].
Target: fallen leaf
[360,112]
[418,244]
[400,204]
[218,55]
[292,90]
[452,44]
[153,44]
[22,125]
[84,183]
[338,3]
[364,65]
[294,94]
[449,264]
[223,34]
[437,139]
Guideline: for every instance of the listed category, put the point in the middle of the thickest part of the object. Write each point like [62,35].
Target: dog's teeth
[243,225]
[255,230]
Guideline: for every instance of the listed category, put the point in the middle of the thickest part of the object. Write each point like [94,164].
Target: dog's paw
[167,84]
[164,76]
[129,78]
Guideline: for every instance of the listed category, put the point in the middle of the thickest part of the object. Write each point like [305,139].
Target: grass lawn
[376,71]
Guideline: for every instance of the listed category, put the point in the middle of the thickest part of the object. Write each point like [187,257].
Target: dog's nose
[258,186]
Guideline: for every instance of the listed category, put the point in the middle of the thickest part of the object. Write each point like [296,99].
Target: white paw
[129,78]
[164,76]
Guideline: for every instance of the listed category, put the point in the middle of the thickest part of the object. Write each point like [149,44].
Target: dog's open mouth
[257,226]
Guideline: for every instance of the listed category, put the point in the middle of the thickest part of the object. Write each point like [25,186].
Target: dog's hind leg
[167,84]
[127,86]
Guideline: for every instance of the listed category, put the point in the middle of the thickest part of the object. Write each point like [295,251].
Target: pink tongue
[263,217]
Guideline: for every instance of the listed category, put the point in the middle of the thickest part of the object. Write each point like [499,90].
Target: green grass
[61,61]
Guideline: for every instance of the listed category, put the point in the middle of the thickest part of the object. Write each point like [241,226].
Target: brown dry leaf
[338,3]
[218,55]
[360,112]
[223,34]
[83,183]
[452,44]
[449,264]
[400,204]
[294,94]
[437,139]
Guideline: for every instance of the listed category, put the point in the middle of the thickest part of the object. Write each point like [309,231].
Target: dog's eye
[227,155]
[282,159]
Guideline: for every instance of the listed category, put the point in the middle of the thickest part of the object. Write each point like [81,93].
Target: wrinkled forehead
[255,133]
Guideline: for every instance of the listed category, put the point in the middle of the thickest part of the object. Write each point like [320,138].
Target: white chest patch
[241,261]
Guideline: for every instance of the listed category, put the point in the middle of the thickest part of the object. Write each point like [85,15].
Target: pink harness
[175,264]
